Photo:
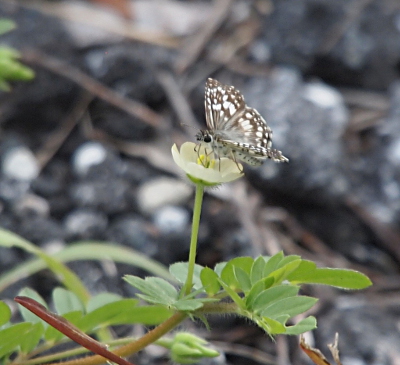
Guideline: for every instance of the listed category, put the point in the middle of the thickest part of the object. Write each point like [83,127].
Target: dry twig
[95,87]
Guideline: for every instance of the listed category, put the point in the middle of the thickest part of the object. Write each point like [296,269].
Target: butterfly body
[227,148]
[235,130]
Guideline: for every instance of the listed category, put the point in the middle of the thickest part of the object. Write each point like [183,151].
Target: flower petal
[213,172]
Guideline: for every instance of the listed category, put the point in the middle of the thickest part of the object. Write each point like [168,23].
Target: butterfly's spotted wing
[234,129]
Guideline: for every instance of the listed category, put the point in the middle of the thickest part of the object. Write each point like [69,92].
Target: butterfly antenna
[190,126]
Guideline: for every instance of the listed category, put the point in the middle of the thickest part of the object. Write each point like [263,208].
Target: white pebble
[163,191]
[88,155]
[171,219]
[20,163]
[322,95]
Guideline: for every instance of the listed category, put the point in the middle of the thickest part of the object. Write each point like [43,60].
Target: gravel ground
[85,147]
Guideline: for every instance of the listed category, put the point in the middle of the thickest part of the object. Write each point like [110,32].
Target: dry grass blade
[94,87]
[77,12]
[245,351]
[196,44]
[57,138]
[177,99]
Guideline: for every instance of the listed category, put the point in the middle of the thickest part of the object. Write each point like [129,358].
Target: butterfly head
[204,136]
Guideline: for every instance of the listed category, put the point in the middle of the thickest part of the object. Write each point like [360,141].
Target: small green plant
[10,68]
[264,290]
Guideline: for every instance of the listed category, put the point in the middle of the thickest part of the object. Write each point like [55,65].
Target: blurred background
[85,149]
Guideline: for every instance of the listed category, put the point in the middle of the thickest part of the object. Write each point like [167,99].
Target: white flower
[201,166]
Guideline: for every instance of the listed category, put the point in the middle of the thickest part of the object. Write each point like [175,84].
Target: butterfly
[234,129]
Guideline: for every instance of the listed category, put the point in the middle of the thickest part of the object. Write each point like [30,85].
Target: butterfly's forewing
[228,115]
[237,130]
[223,105]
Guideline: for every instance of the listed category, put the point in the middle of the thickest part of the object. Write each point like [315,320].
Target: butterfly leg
[203,161]
[233,157]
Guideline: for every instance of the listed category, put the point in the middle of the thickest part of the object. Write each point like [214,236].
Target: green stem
[193,241]
[164,342]
[131,348]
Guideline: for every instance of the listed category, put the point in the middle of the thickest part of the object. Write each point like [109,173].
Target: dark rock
[7,220]
[53,179]
[307,120]
[110,196]
[133,232]
[60,205]
[237,243]
[132,75]
[314,37]
[137,171]
[363,333]
[83,224]
[32,108]
[40,230]
[12,190]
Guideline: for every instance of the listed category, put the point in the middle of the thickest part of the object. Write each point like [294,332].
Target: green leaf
[269,325]
[228,276]
[155,290]
[209,279]
[162,286]
[5,313]
[272,263]
[136,282]
[180,271]
[265,298]
[288,259]
[340,278]
[305,325]
[4,85]
[83,251]
[27,315]
[11,337]
[228,271]
[245,263]
[257,270]
[6,25]
[282,318]
[188,304]
[256,289]
[306,267]
[102,299]
[8,52]
[12,69]
[32,338]
[235,297]
[64,274]
[291,306]
[147,315]
[282,273]
[65,301]
[219,267]
[107,314]
[242,278]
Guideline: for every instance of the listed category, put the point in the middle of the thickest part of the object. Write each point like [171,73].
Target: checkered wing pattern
[228,115]
[234,129]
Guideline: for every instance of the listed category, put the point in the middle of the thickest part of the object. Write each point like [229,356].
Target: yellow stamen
[206,161]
